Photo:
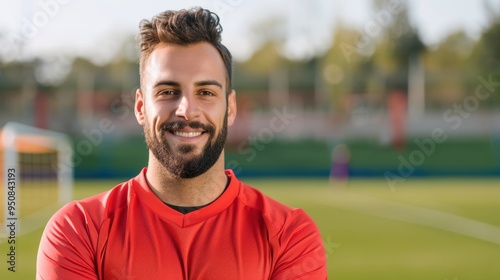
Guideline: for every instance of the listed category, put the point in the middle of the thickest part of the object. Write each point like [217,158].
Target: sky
[94,29]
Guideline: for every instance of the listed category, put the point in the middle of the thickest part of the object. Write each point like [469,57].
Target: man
[184,216]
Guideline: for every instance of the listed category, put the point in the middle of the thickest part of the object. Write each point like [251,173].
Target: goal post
[37,173]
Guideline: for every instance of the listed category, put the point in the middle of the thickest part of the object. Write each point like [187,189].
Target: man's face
[183,107]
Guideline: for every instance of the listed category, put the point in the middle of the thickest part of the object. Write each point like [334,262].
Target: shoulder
[70,241]
[77,224]
[278,216]
[91,212]
[254,198]
[297,244]
[106,203]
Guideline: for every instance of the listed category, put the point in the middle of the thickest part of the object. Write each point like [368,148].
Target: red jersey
[129,233]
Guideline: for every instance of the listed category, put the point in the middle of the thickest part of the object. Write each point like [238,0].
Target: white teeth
[187,134]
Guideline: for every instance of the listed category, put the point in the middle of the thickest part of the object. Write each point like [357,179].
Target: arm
[66,249]
[302,255]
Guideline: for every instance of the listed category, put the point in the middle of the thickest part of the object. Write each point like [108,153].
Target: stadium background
[405,120]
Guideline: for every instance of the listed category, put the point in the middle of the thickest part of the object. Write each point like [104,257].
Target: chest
[222,247]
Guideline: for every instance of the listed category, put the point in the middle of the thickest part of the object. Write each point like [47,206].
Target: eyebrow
[198,84]
[208,83]
[167,83]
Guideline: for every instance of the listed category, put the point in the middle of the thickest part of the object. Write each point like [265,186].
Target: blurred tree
[267,69]
[448,70]
[340,65]
[265,59]
[398,43]
[486,57]
[254,76]
[490,41]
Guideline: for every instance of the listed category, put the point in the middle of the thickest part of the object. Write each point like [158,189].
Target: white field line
[413,214]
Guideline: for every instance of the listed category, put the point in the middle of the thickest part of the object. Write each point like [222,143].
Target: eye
[206,93]
[167,92]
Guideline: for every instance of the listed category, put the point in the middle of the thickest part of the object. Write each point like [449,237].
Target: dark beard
[178,165]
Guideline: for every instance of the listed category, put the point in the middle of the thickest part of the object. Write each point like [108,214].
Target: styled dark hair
[184,27]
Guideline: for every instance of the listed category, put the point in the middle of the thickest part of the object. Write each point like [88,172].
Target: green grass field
[425,229]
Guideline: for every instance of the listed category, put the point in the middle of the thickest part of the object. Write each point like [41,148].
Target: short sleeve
[66,249]
[302,254]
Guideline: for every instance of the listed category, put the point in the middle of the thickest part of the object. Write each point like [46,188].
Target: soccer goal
[37,176]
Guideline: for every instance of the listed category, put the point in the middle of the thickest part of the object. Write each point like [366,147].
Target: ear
[139,107]
[231,108]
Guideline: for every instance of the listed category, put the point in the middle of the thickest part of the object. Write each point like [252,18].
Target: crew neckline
[188,209]
[148,198]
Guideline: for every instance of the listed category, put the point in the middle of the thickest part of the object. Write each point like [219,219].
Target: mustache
[180,124]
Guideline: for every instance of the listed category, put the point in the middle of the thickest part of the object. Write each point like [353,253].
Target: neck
[196,191]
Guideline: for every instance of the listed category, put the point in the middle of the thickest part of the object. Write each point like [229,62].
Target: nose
[187,108]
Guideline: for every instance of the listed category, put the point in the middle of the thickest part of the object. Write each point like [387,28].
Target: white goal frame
[52,140]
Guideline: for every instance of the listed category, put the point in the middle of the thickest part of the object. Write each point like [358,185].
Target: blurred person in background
[339,169]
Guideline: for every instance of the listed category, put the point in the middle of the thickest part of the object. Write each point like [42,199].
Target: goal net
[37,176]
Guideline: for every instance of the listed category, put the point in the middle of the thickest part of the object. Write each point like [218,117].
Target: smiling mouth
[188,134]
